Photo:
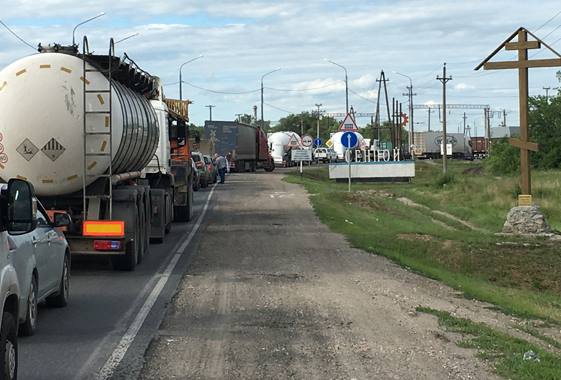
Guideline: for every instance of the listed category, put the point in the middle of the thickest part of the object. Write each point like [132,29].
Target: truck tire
[8,348]
[142,235]
[27,328]
[184,213]
[61,299]
[127,262]
[241,166]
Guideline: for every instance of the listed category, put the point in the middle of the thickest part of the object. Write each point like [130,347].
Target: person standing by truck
[228,159]
[221,164]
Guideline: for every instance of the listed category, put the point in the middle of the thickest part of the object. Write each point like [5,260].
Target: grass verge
[505,351]
[521,277]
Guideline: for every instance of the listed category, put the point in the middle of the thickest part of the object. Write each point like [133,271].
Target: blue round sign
[318,141]
[349,140]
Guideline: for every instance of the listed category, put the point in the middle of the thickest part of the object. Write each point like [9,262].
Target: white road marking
[119,353]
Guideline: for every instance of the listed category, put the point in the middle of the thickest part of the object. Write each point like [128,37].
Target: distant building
[498,132]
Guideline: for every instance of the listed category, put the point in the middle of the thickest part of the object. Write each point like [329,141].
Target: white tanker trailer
[338,147]
[278,147]
[92,133]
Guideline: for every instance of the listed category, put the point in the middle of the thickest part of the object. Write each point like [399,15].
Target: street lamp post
[262,121]
[346,83]
[82,23]
[410,94]
[126,38]
[180,80]
[318,105]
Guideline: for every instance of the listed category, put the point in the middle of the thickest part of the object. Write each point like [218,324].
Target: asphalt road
[111,316]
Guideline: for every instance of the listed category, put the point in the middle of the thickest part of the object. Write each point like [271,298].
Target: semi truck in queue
[96,137]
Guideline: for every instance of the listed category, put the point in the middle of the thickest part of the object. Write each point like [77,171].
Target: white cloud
[243,40]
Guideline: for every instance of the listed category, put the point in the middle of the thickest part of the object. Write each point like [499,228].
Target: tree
[544,128]
[305,123]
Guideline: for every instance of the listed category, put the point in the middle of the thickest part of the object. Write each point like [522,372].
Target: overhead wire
[280,109]
[221,92]
[305,89]
[18,37]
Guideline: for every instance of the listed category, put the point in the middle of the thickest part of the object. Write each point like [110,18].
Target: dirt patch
[412,237]
[369,200]
[477,170]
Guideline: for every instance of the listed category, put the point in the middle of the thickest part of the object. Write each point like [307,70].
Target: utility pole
[318,105]
[547,93]
[444,80]
[504,118]
[465,117]
[210,109]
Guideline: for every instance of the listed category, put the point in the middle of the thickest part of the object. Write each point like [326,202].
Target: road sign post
[349,140]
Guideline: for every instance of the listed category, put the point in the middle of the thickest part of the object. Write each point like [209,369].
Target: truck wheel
[8,347]
[61,299]
[27,328]
[127,262]
[142,235]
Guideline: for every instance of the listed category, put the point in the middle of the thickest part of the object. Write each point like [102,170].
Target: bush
[443,180]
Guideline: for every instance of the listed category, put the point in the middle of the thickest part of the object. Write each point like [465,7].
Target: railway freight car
[247,143]
[429,145]
[99,143]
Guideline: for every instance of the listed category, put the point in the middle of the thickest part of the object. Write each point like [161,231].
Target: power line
[547,22]
[280,109]
[222,92]
[306,89]
[18,37]
[368,100]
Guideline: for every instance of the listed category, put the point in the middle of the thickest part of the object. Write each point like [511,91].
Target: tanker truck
[338,147]
[95,136]
[247,143]
[280,151]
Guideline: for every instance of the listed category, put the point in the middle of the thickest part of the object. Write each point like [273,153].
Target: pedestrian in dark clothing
[221,164]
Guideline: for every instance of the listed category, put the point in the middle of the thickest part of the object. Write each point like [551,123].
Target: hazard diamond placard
[348,124]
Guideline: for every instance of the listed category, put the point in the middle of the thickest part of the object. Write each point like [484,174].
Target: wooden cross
[523,63]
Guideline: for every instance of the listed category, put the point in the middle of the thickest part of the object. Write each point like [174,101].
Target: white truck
[325,155]
[338,147]
[279,149]
[98,140]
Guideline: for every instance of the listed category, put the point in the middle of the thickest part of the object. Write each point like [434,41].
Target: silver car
[42,262]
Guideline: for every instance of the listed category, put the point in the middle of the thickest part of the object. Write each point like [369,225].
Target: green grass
[535,333]
[520,277]
[503,350]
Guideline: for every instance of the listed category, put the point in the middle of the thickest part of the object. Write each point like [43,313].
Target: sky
[242,43]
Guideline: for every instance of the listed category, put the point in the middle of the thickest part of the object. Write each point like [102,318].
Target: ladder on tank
[92,202]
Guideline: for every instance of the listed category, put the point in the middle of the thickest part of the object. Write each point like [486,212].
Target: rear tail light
[107,245]
[199,163]
[208,167]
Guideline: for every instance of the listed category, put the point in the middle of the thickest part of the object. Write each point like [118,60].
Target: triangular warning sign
[348,124]
[293,141]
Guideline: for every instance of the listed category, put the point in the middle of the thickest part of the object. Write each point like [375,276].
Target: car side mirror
[61,219]
[21,207]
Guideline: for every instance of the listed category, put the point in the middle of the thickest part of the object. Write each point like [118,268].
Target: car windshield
[196,158]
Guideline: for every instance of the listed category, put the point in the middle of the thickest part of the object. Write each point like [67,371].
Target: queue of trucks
[107,148]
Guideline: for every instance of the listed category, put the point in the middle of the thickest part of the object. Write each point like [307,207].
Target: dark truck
[247,143]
